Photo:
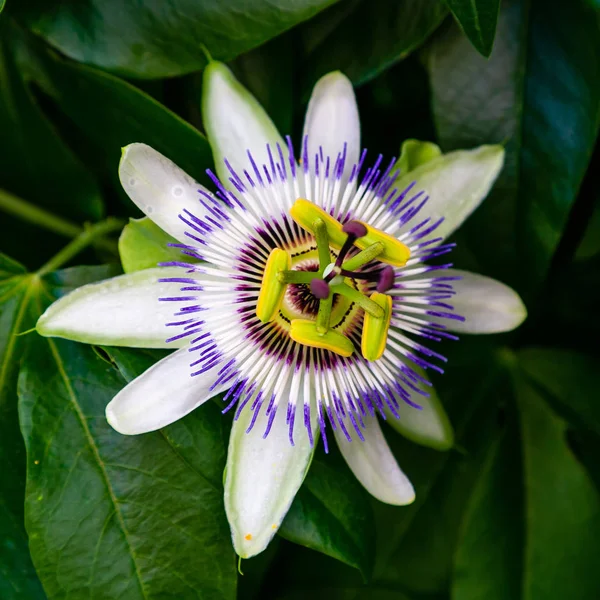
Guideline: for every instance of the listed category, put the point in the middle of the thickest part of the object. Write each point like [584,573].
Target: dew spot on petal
[177,190]
[132,181]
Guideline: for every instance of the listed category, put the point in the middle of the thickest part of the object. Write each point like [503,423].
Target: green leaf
[268,73]
[369,38]
[2,3]
[549,465]
[161,40]
[62,282]
[132,362]
[590,242]
[569,315]
[143,244]
[332,514]
[477,19]
[111,515]
[489,553]
[549,124]
[35,163]
[200,438]
[18,579]
[20,294]
[344,593]
[416,544]
[569,379]
[122,114]
[508,548]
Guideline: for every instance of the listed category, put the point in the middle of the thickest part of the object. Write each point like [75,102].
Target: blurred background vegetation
[513,511]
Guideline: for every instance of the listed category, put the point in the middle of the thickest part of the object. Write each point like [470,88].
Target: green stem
[287,277]
[355,296]
[83,240]
[322,240]
[363,257]
[324,314]
[38,216]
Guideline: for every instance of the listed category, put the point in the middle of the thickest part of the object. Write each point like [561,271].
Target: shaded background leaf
[122,114]
[477,19]
[20,294]
[549,124]
[17,575]
[158,39]
[140,499]
[570,380]
[370,37]
[332,514]
[35,161]
[504,555]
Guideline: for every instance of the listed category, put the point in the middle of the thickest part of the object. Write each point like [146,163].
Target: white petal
[429,426]
[332,119]
[456,184]
[374,465]
[159,188]
[262,477]
[235,122]
[487,305]
[122,311]
[163,394]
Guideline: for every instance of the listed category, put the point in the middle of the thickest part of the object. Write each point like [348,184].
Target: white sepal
[122,311]
[163,394]
[160,188]
[263,476]
[487,305]
[456,184]
[428,426]
[374,465]
[332,120]
[235,122]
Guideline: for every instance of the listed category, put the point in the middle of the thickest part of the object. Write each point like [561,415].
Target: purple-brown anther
[319,288]
[355,229]
[386,279]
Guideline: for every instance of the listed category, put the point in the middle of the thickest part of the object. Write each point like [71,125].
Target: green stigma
[330,279]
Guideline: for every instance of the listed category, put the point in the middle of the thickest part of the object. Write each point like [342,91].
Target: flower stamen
[330,278]
[272,288]
[375,330]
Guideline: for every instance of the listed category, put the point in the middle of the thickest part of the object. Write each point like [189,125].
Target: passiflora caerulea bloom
[309,304]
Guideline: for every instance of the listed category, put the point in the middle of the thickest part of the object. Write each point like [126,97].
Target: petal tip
[247,545]
[113,419]
[334,77]
[402,495]
[42,325]
[520,312]
[216,68]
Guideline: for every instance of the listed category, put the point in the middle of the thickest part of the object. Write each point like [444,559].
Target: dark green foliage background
[513,511]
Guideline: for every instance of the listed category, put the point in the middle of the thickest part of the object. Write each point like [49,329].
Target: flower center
[313,289]
[299,300]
